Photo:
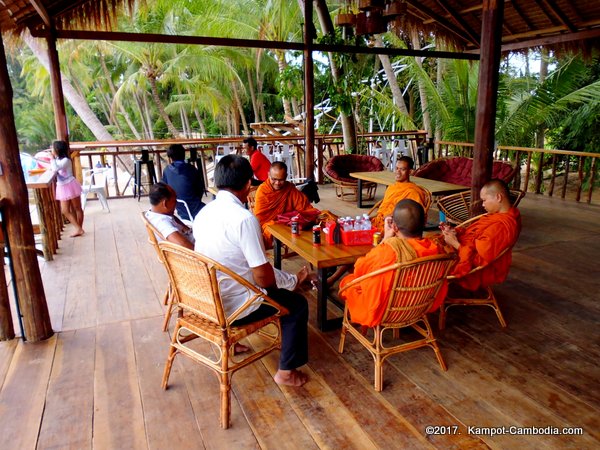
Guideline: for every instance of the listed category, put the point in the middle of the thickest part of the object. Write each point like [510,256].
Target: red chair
[338,169]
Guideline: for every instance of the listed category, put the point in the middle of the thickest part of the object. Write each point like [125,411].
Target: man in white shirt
[228,233]
[162,215]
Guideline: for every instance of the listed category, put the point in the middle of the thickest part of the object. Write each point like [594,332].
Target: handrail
[539,175]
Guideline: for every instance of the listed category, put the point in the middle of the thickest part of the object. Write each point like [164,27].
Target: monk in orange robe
[482,241]
[401,189]
[277,196]
[402,242]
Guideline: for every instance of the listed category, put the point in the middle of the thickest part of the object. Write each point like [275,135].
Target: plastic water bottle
[358,223]
[366,222]
[348,225]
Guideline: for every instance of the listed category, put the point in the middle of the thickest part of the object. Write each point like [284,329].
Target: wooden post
[309,88]
[487,94]
[18,221]
[7,330]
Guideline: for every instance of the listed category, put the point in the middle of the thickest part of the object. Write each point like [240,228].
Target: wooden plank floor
[96,383]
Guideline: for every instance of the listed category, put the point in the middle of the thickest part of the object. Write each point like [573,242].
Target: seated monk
[401,189]
[402,242]
[277,196]
[479,243]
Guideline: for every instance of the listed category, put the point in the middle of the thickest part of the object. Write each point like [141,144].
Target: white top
[167,225]
[64,169]
[228,233]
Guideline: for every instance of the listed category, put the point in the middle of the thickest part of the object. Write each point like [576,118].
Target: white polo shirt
[167,225]
[228,233]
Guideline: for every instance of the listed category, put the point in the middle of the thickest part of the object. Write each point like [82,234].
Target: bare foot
[302,275]
[78,233]
[290,378]
[240,348]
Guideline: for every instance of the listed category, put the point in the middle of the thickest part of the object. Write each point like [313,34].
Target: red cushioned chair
[338,169]
[457,170]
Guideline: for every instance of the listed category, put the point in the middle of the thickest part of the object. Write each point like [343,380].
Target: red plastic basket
[358,237]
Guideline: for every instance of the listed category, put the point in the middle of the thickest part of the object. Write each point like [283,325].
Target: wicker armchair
[338,169]
[488,300]
[169,298]
[456,206]
[416,285]
[194,279]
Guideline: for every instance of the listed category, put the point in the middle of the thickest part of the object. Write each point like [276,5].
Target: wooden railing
[120,154]
[567,174]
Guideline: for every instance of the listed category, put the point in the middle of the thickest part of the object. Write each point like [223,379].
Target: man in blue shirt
[186,180]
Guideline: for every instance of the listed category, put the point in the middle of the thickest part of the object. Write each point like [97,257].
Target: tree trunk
[255,108]
[113,91]
[337,73]
[392,80]
[28,280]
[79,104]
[541,131]
[200,122]
[161,108]
[282,65]
[422,94]
[239,107]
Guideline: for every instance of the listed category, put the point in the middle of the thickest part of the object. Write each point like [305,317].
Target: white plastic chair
[382,153]
[399,150]
[189,213]
[265,149]
[94,182]
[221,151]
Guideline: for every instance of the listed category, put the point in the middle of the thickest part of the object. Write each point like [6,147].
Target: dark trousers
[294,326]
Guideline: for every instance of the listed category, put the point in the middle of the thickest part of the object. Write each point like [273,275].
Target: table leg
[323,323]
[359,194]
[277,253]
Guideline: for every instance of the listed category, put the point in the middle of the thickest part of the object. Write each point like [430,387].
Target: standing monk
[259,162]
[277,196]
[401,189]
[479,243]
[403,241]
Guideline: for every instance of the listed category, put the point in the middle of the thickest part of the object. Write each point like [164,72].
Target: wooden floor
[96,383]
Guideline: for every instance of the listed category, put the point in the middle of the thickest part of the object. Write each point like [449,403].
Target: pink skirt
[68,191]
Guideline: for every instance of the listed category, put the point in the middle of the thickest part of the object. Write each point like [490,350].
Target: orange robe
[480,243]
[393,194]
[367,300]
[269,203]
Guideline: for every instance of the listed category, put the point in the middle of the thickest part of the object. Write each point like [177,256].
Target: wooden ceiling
[526,22]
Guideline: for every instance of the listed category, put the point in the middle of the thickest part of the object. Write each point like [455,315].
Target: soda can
[376,238]
[295,227]
[316,235]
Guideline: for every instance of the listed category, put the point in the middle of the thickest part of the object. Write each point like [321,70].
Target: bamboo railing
[556,173]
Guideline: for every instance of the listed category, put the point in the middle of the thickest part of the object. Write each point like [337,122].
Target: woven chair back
[153,236]
[194,279]
[416,286]
[456,207]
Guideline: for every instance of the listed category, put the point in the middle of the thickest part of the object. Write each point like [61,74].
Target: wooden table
[51,223]
[387,178]
[321,257]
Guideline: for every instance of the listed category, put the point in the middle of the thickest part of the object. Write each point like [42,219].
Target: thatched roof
[534,22]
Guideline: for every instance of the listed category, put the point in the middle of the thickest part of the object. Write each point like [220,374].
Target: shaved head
[495,196]
[409,217]
[496,186]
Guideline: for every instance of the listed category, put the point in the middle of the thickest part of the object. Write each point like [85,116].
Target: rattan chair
[169,298]
[416,285]
[456,206]
[194,279]
[488,300]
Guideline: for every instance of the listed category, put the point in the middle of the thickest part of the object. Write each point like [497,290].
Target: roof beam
[561,15]
[41,10]
[245,43]
[549,40]
[459,20]
[441,21]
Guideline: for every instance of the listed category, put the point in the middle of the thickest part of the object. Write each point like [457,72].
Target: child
[68,189]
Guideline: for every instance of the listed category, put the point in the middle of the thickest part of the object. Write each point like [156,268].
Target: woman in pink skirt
[68,189]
